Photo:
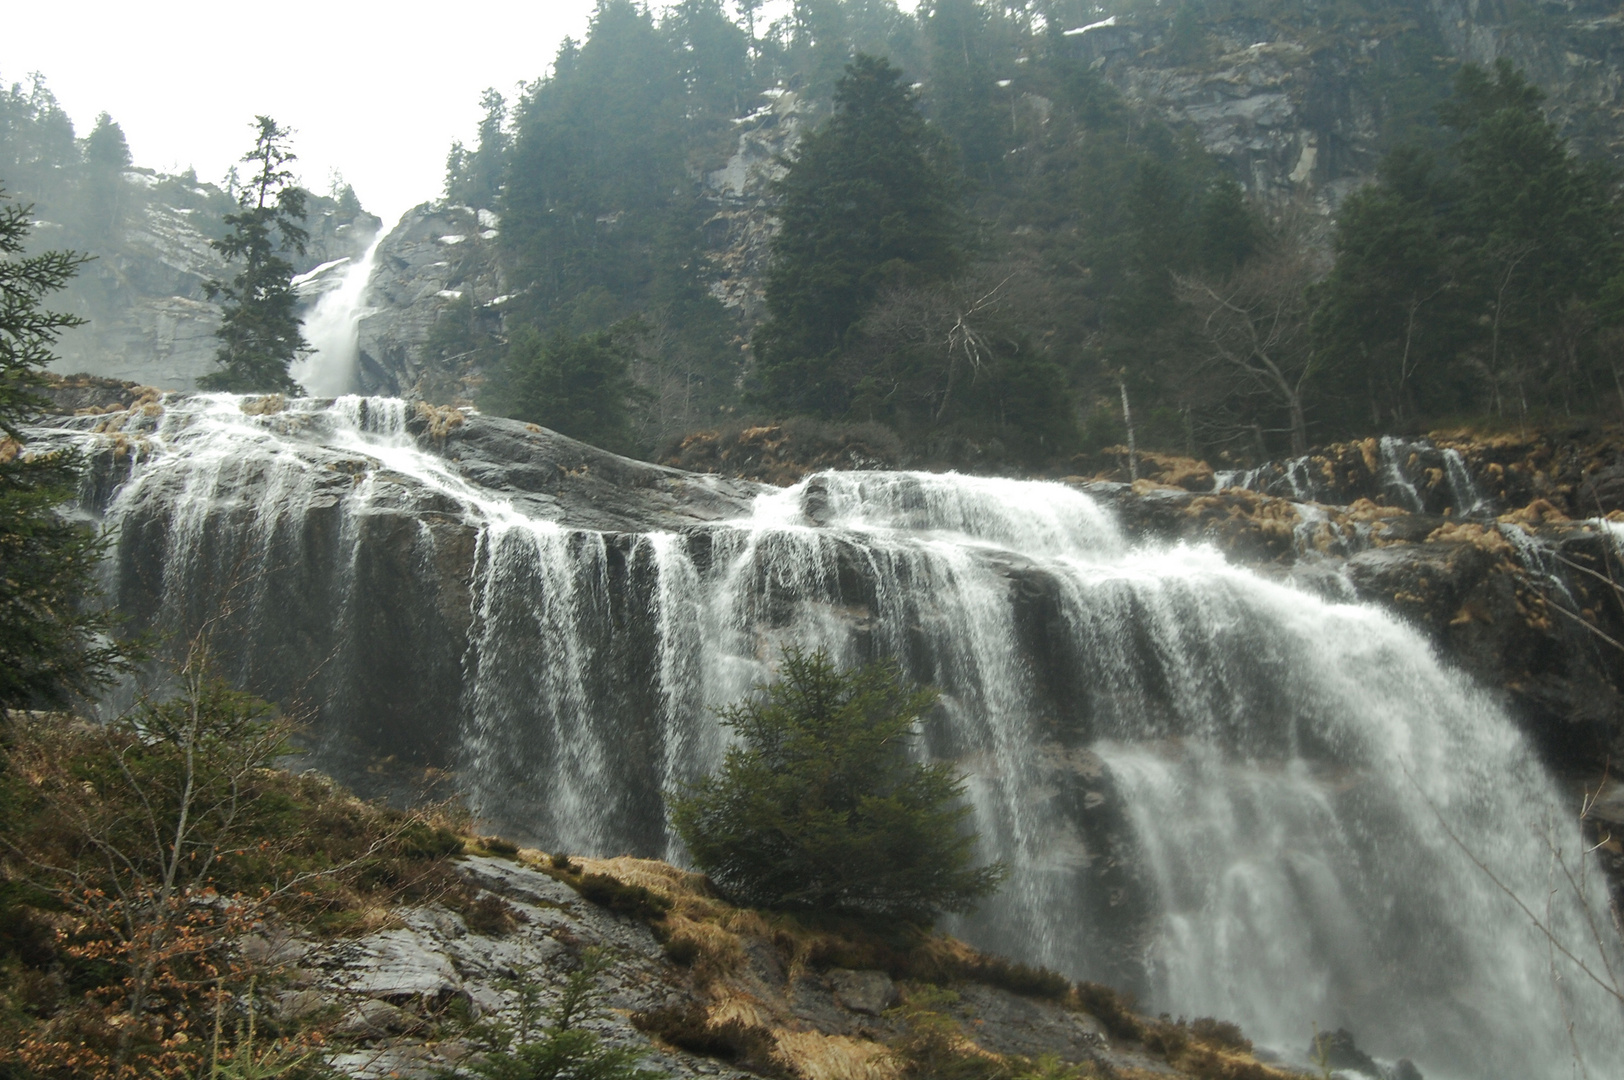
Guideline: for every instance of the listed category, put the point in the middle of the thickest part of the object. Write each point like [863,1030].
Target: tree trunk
[1127,418]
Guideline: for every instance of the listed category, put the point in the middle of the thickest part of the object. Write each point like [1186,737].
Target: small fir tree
[474,177]
[821,808]
[260,331]
[559,1047]
[52,643]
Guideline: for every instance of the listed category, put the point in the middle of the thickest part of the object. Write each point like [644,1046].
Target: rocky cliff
[442,256]
[149,317]
[1301,100]
[436,257]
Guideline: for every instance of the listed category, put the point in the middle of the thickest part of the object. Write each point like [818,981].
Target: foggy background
[375,92]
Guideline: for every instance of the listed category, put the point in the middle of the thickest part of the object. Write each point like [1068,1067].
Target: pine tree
[106,156]
[1474,280]
[474,177]
[598,173]
[1544,227]
[52,641]
[714,55]
[868,201]
[260,331]
[963,83]
[1391,315]
[820,808]
[580,387]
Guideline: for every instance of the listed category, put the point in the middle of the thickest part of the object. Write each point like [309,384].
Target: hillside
[410,951]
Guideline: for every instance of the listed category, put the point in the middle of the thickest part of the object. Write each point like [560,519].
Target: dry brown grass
[440,420]
[836,1057]
[1470,532]
[739,1016]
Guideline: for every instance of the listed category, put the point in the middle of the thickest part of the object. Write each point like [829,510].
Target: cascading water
[332,328]
[1403,466]
[1250,802]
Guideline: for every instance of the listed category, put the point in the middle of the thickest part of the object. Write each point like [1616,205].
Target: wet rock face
[436,256]
[578,484]
[361,612]
[1493,618]
[1495,545]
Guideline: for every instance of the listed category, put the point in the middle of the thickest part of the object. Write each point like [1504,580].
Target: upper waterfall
[332,328]
[1242,799]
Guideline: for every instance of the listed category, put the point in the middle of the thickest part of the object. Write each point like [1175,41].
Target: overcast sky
[375,91]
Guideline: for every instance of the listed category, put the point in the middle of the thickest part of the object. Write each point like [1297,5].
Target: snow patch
[1091,26]
[311,275]
[452,239]
[449,294]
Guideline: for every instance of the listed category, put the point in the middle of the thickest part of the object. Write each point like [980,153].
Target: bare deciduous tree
[138,832]
[924,345]
[1253,328]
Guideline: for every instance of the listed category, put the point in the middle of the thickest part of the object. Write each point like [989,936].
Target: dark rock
[1496,619]
[1430,582]
[1603,491]
[588,487]
[1007,1023]
[294,1005]
[1338,1050]
[373,1019]
[811,1001]
[867,992]
[1405,1070]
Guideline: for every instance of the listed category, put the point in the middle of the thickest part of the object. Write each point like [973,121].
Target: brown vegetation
[135,856]
[785,453]
[741,1016]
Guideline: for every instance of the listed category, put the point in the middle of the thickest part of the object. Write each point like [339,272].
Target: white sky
[376,91]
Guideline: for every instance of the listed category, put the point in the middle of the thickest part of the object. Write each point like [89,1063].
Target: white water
[333,329]
[1288,771]
[1402,461]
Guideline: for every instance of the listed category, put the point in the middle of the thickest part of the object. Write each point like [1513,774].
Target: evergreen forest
[984,248]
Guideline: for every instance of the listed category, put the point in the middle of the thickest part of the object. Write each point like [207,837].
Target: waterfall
[1403,464]
[1242,799]
[332,329]
[1462,488]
